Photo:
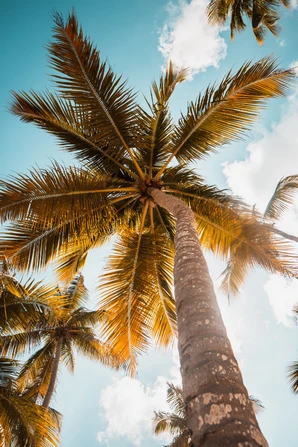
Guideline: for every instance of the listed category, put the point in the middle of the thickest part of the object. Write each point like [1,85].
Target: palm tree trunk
[53,378]
[219,411]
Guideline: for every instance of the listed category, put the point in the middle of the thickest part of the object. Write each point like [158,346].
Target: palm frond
[257,245]
[21,420]
[175,399]
[32,243]
[156,125]
[87,81]
[256,404]
[283,196]
[263,15]
[293,376]
[116,290]
[87,344]
[56,193]
[19,343]
[70,124]
[77,292]
[223,114]
[72,261]
[67,355]
[35,374]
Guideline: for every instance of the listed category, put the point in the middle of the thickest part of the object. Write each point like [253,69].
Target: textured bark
[53,378]
[219,411]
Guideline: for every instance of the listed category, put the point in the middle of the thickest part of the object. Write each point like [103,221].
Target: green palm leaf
[283,196]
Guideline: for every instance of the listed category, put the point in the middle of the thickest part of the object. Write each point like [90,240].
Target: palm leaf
[293,376]
[122,299]
[29,244]
[56,193]
[156,125]
[87,344]
[72,125]
[35,374]
[282,197]
[257,245]
[223,114]
[87,81]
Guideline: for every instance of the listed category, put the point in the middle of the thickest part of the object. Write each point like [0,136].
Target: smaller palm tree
[23,423]
[68,325]
[293,367]
[175,423]
[21,303]
[263,15]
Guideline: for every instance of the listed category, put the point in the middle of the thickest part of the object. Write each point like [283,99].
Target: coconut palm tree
[67,326]
[175,422]
[263,15]
[23,422]
[137,181]
[22,303]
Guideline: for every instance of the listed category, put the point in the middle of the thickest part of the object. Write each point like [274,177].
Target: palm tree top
[63,212]
[263,15]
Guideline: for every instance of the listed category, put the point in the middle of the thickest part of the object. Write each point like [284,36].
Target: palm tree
[23,422]
[67,326]
[175,422]
[137,181]
[22,303]
[263,15]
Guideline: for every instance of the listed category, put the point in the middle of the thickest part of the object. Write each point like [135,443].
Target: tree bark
[50,391]
[219,411]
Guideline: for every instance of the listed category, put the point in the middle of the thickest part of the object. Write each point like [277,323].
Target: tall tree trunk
[53,378]
[219,411]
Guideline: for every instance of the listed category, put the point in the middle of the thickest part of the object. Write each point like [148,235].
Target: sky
[138,37]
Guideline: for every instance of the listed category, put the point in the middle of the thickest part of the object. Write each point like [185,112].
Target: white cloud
[188,40]
[293,4]
[127,406]
[283,296]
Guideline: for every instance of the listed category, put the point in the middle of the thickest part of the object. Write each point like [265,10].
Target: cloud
[188,40]
[127,406]
[283,296]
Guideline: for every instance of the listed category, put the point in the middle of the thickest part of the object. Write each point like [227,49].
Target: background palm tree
[22,422]
[173,422]
[263,15]
[135,181]
[67,326]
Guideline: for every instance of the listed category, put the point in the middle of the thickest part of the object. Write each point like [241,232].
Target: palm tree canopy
[21,420]
[63,212]
[263,15]
[66,321]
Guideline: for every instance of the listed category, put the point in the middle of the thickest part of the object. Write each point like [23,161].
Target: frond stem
[129,304]
[103,106]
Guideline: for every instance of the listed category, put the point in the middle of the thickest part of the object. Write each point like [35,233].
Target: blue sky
[137,37]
